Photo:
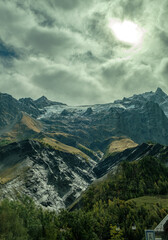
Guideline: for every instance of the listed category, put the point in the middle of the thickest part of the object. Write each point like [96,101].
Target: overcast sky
[65,50]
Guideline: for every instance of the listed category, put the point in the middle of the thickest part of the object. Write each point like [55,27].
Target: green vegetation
[4,142]
[146,177]
[23,220]
[115,234]
[149,201]
[117,200]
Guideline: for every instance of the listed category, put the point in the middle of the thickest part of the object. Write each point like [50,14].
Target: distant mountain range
[52,151]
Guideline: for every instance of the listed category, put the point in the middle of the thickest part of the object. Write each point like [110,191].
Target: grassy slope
[24,128]
[149,201]
[50,142]
[26,124]
[119,144]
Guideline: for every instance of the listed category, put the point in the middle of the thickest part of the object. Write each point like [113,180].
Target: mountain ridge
[62,149]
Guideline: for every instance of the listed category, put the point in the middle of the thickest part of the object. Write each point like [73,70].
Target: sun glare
[126,31]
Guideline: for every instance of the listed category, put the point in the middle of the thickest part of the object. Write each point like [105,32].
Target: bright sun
[126,31]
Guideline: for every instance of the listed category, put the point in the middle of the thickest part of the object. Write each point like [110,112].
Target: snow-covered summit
[130,103]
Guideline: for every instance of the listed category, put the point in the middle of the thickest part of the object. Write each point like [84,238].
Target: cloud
[132,9]
[163,68]
[163,17]
[64,49]
[50,41]
[7,55]
[65,4]
[17,85]
[69,85]
[139,78]
[113,71]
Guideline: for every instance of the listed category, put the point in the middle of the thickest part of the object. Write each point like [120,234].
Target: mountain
[106,161]
[44,102]
[141,118]
[53,178]
[11,107]
[52,151]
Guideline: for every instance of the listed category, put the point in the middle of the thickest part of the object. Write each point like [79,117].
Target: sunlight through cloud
[127,31]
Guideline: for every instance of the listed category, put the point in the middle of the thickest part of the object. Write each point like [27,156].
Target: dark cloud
[96,29]
[7,51]
[43,18]
[47,41]
[63,83]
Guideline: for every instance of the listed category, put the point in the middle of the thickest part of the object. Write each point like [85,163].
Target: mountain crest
[44,102]
[43,98]
[160,91]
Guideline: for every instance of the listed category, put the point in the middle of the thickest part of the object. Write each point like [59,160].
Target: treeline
[102,209]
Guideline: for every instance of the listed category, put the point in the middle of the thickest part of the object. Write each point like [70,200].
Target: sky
[65,49]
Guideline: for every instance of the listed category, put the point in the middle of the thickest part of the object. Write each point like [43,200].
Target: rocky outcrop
[9,109]
[132,154]
[88,112]
[148,123]
[28,105]
[54,179]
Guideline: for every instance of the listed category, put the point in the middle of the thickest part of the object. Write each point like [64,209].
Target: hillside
[102,211]
[119,144]
[53,177]
[110,162]
[116,199]
[147,176]
[24,127]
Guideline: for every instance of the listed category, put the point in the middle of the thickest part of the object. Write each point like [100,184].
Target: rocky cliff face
[9,108]
[132,154]
[148,123]
[52,178]
[141,118]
